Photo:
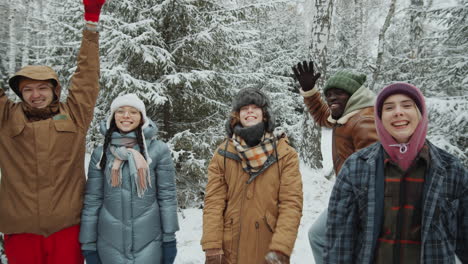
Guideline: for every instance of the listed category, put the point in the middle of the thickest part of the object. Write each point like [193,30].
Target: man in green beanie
[348,110]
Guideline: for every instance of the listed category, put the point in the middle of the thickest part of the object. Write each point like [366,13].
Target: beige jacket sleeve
[215,203]
[5,107]
[84,85]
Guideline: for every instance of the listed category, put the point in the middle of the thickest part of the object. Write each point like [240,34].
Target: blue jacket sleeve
[167,194]
[93,197]
[462,235]
[342,220]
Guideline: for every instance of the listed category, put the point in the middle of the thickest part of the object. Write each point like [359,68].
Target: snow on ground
[316,193]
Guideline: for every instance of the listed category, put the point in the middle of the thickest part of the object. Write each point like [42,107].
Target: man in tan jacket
[42,148]
[348,110]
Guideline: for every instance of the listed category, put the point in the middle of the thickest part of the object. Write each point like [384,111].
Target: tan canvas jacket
[43,177]
[248,220]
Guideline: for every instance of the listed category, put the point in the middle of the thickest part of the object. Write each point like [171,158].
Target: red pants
[61,247]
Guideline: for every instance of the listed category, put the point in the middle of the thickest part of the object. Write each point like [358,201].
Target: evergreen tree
[207,48]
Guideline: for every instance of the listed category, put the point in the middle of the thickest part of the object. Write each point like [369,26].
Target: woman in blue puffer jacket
[130,206]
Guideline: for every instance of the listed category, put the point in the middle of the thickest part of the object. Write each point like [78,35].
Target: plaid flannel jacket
[356,209]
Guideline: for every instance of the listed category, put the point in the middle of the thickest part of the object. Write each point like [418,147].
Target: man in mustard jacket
[253,199]
[42,149]
[348,110]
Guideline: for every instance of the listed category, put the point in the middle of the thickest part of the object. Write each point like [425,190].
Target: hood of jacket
[362,98]
[35,72]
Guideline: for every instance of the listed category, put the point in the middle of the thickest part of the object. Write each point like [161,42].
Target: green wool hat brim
[347,81]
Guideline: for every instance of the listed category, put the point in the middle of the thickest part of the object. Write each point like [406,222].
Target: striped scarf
[122,151]
[254,158]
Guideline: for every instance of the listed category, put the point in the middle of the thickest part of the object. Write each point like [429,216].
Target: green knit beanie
[345,80]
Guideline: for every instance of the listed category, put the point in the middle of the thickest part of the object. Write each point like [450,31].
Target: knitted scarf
[253,158]
[122,151]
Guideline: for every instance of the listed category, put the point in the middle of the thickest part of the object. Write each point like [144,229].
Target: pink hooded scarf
[402,154]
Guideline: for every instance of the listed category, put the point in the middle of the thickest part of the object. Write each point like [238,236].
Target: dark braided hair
[108,138]
[139,138]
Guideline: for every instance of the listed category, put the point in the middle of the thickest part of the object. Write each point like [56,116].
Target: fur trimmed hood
[249,96]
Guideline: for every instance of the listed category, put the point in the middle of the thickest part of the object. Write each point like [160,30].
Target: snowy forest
[187,58]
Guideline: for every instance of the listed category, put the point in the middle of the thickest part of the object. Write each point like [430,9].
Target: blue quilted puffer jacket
[122,227]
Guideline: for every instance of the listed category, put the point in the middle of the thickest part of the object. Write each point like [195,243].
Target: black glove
[305,75]
[169,252]
[91,257]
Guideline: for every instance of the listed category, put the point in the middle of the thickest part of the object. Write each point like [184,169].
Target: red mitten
[92,9]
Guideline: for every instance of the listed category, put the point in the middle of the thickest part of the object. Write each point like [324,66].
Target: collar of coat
[362,98]
[437,159]
[282,147]
[228,150]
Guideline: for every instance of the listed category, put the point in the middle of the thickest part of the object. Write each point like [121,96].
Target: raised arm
[5,107]
[307,78]
[84,85]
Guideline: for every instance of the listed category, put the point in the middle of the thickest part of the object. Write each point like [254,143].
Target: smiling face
[250,115]
[400,117]
[336,100]
[38,94]
[127,118]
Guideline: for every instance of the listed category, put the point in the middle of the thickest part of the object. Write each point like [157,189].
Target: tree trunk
[416,28]
[26,35]
[12,41]
[380,51]
[311,133]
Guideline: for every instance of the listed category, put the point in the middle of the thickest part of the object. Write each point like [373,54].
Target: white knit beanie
[128,100]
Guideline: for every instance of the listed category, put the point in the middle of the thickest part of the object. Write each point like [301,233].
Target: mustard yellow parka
[245,219]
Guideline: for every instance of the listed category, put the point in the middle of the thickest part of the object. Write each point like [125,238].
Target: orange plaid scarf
[254,158]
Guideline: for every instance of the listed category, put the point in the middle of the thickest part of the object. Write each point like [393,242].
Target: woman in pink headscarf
[401,200]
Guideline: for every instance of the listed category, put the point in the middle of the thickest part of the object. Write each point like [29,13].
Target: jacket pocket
[65,126]
[66,135]
[270,221]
